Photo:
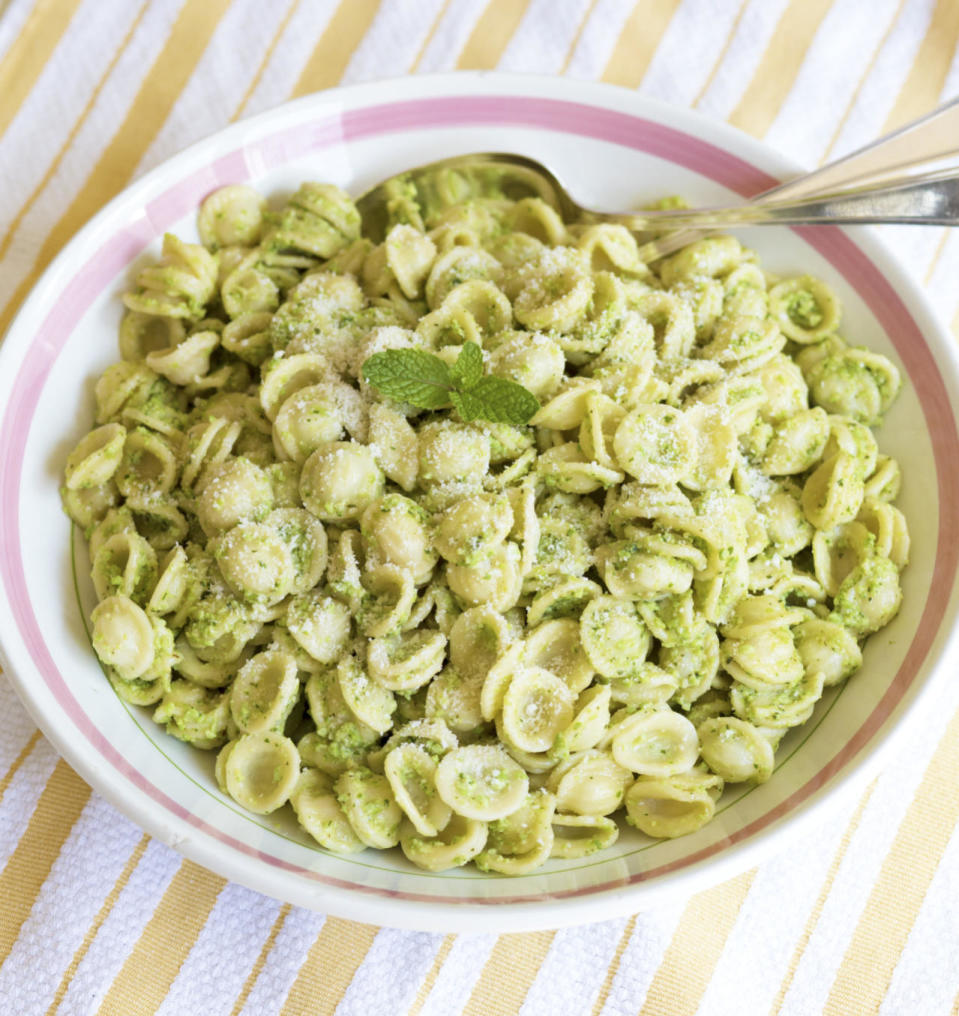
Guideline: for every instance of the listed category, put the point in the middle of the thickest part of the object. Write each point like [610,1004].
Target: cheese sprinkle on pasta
[478,641]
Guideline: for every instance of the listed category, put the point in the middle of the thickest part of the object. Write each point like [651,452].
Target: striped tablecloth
[860,917]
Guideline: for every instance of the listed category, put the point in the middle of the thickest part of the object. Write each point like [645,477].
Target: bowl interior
[614,151]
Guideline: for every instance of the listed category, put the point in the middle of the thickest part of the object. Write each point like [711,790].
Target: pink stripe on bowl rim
[572,118]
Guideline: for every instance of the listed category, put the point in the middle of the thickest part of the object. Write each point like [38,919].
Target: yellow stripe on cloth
[857,91]
[340,38]
[333,959]
[509,973]
[491,34]
[689,961]
[144,980]
[427,986]
[428,38]
[160,89]
[267,57]
[885,923]
[18,761]
[638,42]
[29,53]
[94,928]
[922,88]
[824,892]
[58,808]
[74,130]
[613,968]
[777,71]
[936,255]
[577,35]
[257,967]
[722,53]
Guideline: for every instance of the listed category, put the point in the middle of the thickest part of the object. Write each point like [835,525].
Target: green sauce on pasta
[481,641]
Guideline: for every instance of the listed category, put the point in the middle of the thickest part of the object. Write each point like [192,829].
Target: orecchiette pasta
[260,770]
[411,771]
[481,781]
[480,640]
[591,782]
[523,840]
[581,835]
[194,714]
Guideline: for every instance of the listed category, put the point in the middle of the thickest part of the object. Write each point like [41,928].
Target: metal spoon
[860,188]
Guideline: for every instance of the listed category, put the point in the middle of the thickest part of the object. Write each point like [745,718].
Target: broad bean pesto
[461,529]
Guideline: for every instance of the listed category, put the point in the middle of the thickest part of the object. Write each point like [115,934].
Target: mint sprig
[427,382]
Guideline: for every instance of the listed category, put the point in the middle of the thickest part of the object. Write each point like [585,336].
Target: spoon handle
[886,161]
[918,144]
[932,199]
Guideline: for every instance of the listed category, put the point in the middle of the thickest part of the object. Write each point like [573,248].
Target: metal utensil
[879,183]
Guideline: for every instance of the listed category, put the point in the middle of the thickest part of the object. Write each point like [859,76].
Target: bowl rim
[385,907]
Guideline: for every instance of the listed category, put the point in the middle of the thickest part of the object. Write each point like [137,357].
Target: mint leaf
[497,400]
[424,380]
[468,368]
[410,375]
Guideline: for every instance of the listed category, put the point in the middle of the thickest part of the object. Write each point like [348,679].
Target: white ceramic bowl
[615,150]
